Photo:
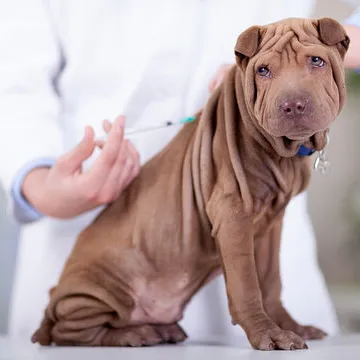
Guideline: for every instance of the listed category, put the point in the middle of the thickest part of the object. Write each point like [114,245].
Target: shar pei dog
[211,202]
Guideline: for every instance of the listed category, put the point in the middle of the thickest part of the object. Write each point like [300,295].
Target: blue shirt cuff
[24,212]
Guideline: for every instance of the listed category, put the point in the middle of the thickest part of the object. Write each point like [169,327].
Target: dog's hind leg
[83,312]
[104,335]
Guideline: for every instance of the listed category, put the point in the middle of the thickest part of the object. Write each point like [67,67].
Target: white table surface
[343,348]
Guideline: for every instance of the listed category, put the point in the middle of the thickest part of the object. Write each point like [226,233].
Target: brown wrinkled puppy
[213,200]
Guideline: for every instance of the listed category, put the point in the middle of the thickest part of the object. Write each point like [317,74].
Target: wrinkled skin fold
[212,202]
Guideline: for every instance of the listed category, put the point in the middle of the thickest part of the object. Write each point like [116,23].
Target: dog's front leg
[267,257]
[233,233]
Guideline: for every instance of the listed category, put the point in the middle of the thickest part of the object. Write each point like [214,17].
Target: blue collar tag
[304,151]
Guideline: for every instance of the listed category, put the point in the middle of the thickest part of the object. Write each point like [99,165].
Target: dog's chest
[272,189]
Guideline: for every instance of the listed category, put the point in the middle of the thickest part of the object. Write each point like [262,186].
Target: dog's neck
[237,143]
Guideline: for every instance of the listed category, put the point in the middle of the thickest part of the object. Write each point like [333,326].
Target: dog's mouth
[287,142]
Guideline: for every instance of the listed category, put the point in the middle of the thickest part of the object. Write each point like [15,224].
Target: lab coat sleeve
[24,212]
[30,62]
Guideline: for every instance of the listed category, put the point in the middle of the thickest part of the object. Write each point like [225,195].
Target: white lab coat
[68,63]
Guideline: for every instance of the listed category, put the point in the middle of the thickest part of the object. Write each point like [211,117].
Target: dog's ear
[332,33]
[247,43]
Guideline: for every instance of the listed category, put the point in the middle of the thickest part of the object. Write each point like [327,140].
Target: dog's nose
[293,107]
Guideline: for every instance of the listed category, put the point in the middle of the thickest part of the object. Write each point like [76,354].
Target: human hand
[65,190]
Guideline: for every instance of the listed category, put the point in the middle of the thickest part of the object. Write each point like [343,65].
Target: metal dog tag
[322,163]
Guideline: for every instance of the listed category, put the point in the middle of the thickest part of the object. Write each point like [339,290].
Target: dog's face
[294,80]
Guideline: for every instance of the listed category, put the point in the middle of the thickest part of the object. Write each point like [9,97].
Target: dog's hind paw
[134,336]
[172,333]
[144,335]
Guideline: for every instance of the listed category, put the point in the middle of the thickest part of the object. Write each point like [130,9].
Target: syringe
[155,127]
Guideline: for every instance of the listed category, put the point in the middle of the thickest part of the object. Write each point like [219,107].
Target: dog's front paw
[310,332]
[277,339]
[282,318]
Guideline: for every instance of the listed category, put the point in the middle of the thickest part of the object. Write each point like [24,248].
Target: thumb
[72,161]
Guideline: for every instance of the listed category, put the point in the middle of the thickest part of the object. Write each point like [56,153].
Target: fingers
[100,143]
[130,169]
[96,177]
[107,126]
[132,163]
[136,164]
[117,165]
[112,171]
[72,161]
[112,187]
[125,169]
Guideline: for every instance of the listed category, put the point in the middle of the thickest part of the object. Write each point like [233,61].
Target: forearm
[352,58]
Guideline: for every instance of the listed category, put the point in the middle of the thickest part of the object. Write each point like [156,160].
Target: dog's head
[294,79]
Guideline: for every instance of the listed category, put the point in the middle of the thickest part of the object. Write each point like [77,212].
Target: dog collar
[304,151]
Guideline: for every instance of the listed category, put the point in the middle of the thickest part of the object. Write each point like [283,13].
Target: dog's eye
[317,61]
[263,71]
